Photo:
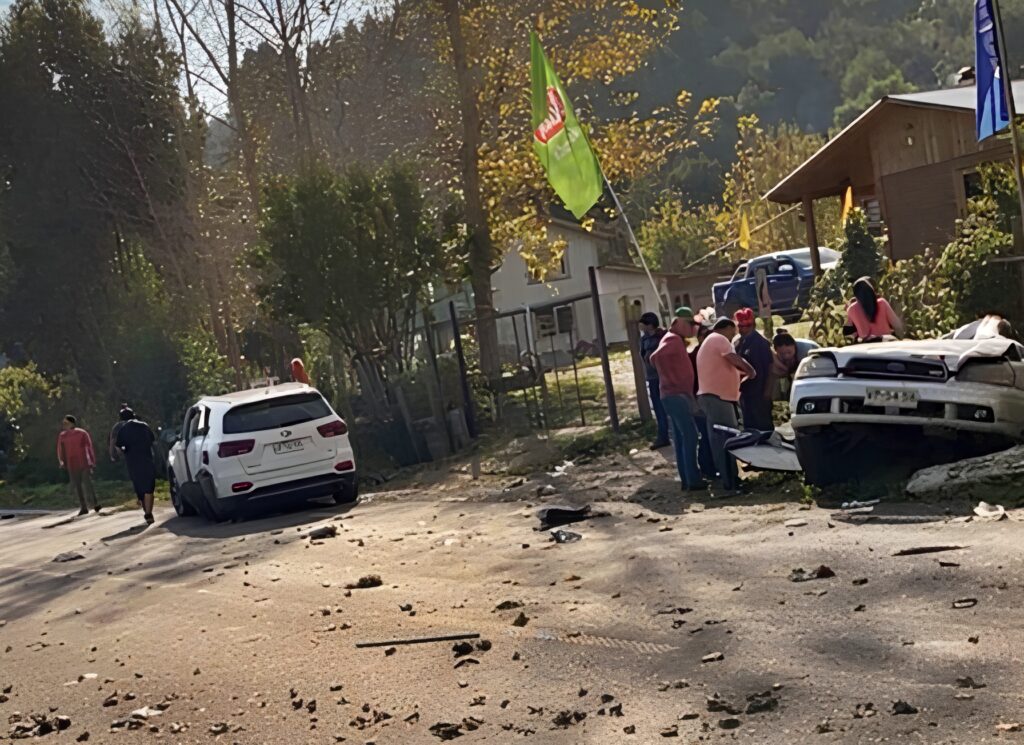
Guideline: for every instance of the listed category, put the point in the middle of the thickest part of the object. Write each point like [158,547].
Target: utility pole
[1007,80]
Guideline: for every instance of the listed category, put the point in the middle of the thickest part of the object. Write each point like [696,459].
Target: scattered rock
[461,649]
[325,531]
[365,583]
[861,581]
[713,657]
[716,703]
[390,651]
[801,575]
[968,682]
[219,728]
[521,620]
[797,522]
[824,726]
[964,603]
[507,605]
[860,608]
[629,729]
[672,731]
[1008,727]
[730,723]
[67,556]
[902,707]
[864,711]
[565,719]
[758,703]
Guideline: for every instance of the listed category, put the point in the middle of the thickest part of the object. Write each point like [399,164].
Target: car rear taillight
[241,486]
[345,465]
[236,447]
[337,428]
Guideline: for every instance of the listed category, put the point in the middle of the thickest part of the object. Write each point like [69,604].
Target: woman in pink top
[871,315]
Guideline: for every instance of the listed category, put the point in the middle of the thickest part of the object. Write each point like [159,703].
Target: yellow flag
[847,204]
[744,239]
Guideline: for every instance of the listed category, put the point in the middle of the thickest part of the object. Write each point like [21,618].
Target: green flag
[558,138]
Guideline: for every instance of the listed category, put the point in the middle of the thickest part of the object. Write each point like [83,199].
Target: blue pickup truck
[789,276]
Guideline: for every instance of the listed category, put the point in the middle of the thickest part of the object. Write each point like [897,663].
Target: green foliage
[350,254]
[24,393]
[206,369]
[861,257]
[674,237]
[933,293]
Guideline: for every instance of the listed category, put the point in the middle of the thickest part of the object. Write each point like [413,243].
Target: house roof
[823,174]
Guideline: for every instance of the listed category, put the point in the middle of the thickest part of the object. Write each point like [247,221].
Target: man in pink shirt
[75,453]
[675,374]
[721,370]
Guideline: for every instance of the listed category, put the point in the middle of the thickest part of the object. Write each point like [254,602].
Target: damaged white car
[888,409]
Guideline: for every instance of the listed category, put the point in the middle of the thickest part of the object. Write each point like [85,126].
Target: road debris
[801,575]
[326,531]
[565,536]
[67,556]
[968,682]
[554,516]
[1008,727]
[927,550]
[418,640]
[713,657]
[365,583]
[35,725]
[864,711]
[758,703]
[990,512]
[715,703]
[964,603]
[855,505]
[902,707]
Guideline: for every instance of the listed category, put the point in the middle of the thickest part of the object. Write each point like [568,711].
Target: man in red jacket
[676,376]
[75,453]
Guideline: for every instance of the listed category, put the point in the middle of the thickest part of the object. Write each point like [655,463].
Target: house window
[873,212]
[561,271]
[559,320]
[972,185]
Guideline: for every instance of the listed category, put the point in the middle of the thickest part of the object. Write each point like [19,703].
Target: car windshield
[802,256]
[740,273]
[274,413]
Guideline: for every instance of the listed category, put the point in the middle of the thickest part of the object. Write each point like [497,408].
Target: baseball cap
[744,317]
[685,313]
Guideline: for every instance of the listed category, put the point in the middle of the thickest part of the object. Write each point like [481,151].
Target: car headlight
[991,373]
[817,366]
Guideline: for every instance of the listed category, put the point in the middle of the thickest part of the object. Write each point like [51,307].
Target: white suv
[262,447]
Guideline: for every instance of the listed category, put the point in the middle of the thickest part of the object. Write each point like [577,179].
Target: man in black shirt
[135,439]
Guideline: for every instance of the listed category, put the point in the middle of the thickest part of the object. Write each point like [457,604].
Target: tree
[673,237]
[595,45]
[351,255]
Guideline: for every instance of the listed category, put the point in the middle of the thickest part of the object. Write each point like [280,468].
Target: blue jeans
[684,437]
[654,388]
[705,459]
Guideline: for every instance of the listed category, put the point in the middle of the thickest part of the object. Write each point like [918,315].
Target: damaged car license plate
[903,398]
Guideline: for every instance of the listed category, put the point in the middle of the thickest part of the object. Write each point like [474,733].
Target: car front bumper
[951,406]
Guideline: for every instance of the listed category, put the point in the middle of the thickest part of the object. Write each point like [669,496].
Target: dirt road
[245,633]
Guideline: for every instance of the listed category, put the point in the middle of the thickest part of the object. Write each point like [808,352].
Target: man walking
[675,372]
[135,439]
[756,392]
[721,369]
[75,454]
[651,335]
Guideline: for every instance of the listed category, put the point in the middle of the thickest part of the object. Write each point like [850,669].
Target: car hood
[954,353]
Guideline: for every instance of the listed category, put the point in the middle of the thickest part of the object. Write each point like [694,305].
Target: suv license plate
[291,446]
[902,398]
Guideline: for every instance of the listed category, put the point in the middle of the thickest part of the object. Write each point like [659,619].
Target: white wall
[614,285]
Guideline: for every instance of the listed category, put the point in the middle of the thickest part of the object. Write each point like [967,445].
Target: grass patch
[60,497]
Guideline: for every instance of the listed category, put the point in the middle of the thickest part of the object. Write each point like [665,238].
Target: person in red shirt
[676,376]
[299,374]
[75,454]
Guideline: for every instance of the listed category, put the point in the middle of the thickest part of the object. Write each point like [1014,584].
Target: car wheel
[348,494]
[182,507]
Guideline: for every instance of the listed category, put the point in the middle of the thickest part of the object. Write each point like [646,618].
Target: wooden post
[467,396]
[630,313]
[812,235]
[602,345]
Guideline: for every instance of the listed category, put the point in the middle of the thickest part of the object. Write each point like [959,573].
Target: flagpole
[1007,80]
[636,244]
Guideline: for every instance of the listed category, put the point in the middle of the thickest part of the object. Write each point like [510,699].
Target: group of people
[700,395]
[130,438]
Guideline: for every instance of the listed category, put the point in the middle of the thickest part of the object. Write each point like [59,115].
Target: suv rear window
[274,413]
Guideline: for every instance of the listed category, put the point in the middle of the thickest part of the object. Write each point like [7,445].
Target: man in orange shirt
[75,453]
[720,371]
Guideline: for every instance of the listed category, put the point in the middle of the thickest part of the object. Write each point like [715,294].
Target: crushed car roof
[954,352]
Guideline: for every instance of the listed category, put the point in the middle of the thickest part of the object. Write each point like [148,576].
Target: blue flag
[993,113]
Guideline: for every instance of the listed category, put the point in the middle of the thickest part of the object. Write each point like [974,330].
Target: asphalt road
[233,629]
